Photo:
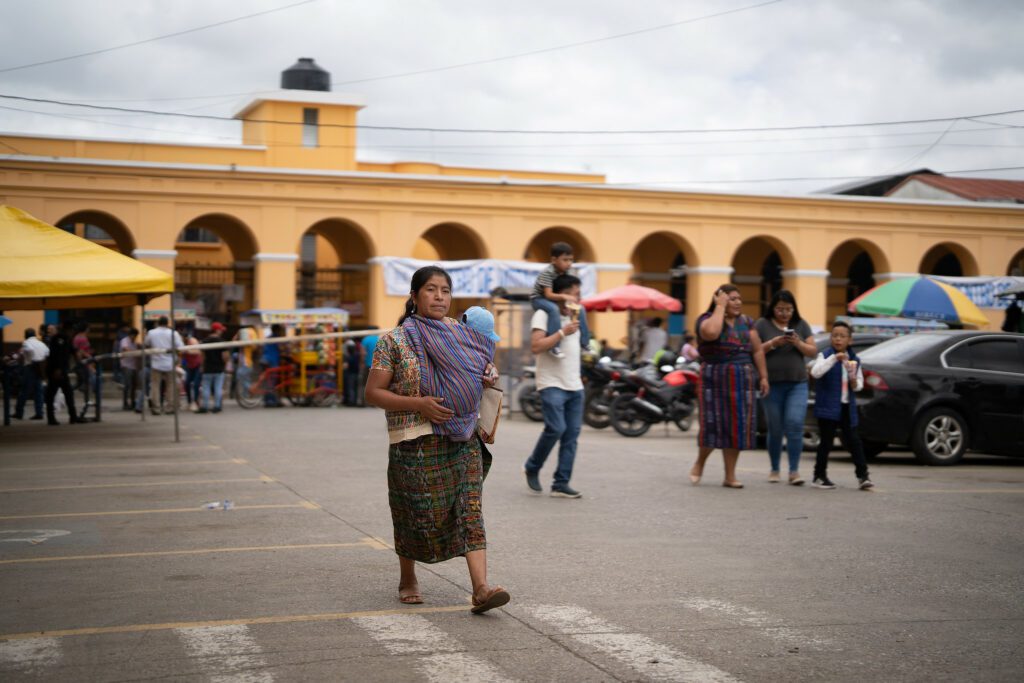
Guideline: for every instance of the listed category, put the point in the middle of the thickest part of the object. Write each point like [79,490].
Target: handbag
[490,413]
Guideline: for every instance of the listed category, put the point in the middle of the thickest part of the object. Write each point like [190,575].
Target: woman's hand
[721,298]
[432,408]
[763,387]
[490,376]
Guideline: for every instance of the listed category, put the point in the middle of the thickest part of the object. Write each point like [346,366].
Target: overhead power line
[557,48]
[428,129]
[490,60]
[154,38]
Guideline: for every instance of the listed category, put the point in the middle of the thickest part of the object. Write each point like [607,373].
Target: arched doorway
[99,227]
[949,259]
[659,261]
[452,242]
[852,267]
[213,271]
[108,231]
[333,269]
[539,248]
[1016,265]
[757,271]
[449,242]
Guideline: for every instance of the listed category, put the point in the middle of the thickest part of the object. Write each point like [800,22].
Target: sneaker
[773,478]
[823,483]
[36,417]
[865,484]
[795,479]
[200,411]
[556,352]
[216,410]
[565,492]
[533,481]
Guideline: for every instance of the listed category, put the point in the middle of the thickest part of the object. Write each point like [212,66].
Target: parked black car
[944,393]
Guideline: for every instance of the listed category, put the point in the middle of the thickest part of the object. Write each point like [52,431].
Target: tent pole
[6,385]
[143,372]
[174,373]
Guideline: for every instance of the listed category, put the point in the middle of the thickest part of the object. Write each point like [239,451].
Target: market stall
[311,370]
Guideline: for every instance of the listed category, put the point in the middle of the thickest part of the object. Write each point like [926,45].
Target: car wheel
[811,439]
[940,437]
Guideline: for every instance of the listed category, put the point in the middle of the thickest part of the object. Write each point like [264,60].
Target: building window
[310,127]
[201,235]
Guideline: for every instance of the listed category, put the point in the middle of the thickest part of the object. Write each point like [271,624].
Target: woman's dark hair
[728,289]
[786,297]
[420,278]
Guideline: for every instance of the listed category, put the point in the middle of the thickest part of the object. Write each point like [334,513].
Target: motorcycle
[529,396]
[604,382]
[651,398]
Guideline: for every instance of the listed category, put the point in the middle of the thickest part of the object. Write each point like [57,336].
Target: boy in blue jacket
[839,376]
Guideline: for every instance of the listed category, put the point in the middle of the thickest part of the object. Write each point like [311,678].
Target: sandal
[413,598]
[496,597]
[732,484]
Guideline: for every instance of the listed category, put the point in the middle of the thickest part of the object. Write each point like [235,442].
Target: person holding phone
[729,348]
[788,342]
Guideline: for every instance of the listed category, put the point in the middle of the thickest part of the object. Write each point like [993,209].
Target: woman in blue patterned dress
[729,348]
[436,467]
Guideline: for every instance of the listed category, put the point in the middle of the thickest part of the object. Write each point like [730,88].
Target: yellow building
[292,217]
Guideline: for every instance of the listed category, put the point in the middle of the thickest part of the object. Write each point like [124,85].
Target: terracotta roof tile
[974,189]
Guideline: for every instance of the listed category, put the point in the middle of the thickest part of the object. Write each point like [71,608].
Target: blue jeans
[214,380]
[193,379]
[563,417]
[785,408]
[555,320]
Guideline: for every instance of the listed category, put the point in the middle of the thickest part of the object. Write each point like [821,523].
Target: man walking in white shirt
[33,355]
[561,392]
[162,366]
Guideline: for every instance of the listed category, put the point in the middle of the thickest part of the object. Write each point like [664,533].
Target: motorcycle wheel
[597,413]
[684,423]
[625,418]
[530,403]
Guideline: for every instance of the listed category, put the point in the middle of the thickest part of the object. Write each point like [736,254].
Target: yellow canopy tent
[43,267]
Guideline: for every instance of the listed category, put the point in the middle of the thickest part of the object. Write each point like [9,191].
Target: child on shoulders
[544,299]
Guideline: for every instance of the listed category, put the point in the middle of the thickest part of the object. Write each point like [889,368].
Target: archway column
[161,259]
[810,287]
[610,326]
[275,280]
[701,284]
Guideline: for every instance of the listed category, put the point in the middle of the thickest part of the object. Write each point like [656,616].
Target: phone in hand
[789,332]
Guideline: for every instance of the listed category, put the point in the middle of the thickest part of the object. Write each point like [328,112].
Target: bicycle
[283,381]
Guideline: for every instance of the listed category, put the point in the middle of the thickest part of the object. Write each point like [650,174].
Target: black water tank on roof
[305,74]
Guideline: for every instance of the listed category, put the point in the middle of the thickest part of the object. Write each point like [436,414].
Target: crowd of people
[429,374]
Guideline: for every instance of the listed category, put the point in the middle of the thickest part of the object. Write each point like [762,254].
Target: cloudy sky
[586,68]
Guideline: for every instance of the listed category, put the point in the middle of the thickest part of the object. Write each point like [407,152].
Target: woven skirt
[728,417]
[434,488]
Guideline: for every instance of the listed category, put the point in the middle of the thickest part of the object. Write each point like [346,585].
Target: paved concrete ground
[110,570]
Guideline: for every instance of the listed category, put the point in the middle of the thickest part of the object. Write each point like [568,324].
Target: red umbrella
[631,298]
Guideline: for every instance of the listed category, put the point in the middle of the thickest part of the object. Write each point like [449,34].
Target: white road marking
[29,654]
[444,658]
[650,659]
[230,654]
[31,536]
[773,627]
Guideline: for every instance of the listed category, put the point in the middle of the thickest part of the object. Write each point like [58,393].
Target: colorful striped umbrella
[921,298]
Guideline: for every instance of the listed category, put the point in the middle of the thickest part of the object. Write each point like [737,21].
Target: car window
[1002,355]
[959,357]
[902,348]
